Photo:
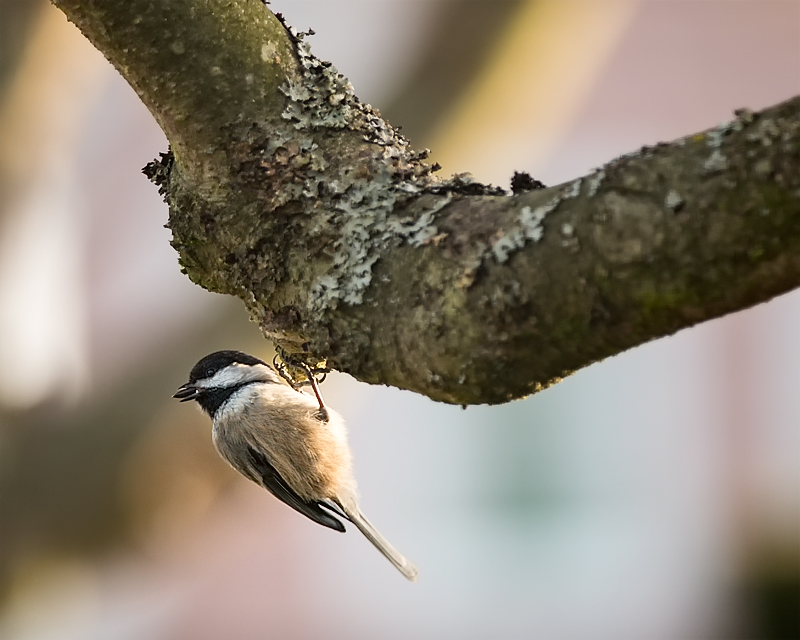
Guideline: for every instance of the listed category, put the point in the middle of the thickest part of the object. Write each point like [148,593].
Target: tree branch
[288,192]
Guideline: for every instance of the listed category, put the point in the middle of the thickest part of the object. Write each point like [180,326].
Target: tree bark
[287,191]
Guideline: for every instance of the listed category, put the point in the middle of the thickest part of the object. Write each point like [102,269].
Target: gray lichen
[715,137]
[715,162]
[360,209]
[595,180]
[360,206]
[573,189]
[674,201]
[528,226]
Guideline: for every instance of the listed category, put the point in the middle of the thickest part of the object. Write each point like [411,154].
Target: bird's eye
[210,372]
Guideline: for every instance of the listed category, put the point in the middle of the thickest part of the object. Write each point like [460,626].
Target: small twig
[323,411]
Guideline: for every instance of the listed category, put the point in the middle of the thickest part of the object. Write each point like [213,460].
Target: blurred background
[654,495]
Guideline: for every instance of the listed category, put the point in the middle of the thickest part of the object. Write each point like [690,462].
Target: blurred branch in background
[498,110]
[450,62]
[41,244]
[16,18]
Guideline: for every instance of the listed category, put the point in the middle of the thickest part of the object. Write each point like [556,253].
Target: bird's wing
[271,480]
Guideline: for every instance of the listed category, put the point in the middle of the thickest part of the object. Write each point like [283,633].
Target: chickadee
[284,440]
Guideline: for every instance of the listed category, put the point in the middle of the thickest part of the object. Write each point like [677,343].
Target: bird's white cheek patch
[238,404]
[236,374]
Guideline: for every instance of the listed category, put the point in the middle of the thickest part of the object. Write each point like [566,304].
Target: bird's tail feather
[403,564]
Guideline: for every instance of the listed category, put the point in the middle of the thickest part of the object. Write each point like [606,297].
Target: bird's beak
[187,392]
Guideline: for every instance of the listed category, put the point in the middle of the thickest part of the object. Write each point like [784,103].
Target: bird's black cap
[213,362]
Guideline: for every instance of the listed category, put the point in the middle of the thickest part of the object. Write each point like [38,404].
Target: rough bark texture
[288,192]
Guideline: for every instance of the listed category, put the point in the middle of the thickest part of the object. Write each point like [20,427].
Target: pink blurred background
[653,495]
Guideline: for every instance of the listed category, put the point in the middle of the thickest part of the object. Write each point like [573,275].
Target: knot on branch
[158,172]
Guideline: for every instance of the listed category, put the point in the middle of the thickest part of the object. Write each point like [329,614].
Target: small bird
[283,439]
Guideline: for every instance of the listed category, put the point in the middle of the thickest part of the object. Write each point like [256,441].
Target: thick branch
[291,194]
